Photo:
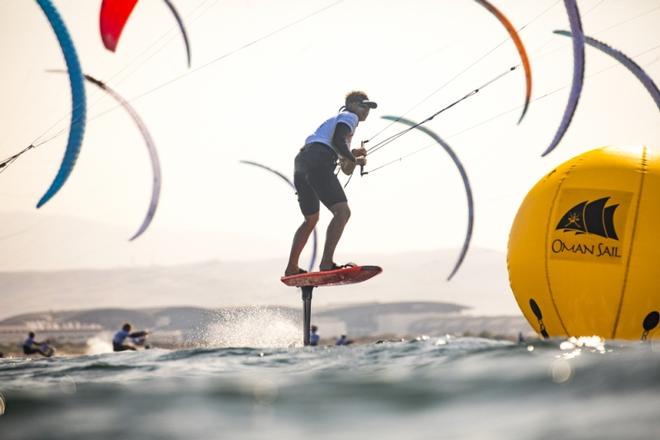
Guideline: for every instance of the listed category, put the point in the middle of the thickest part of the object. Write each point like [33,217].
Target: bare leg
[299,241]
[341,213]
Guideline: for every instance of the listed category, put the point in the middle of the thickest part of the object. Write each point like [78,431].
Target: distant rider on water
[30,346]
[121,335]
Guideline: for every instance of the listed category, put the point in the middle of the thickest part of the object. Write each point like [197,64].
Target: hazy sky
[259,103]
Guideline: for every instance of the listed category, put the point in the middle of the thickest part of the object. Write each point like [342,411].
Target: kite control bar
[362,171]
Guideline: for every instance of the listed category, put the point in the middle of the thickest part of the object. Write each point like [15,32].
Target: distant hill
[60,242]
[418,276]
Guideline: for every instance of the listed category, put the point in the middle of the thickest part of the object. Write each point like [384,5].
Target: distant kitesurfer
[313,336]
[30,346]
[316,181]
[121,335]
[343,340]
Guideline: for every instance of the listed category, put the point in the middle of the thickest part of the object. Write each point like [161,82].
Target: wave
[431,387]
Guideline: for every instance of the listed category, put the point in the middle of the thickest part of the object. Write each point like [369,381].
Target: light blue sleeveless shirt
[324,133]
[120,336]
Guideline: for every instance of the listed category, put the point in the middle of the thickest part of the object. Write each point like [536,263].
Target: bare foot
[293,271]
[326,267]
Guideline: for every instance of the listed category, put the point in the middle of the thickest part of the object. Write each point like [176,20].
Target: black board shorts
[29,350]
[315,179]
[121,347]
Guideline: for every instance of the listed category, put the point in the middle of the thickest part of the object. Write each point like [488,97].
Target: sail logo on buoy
[589,226]
[590,218]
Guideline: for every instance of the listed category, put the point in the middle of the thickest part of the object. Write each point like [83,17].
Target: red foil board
[337,277]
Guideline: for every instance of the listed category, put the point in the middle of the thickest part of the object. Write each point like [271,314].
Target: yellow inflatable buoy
[584,249]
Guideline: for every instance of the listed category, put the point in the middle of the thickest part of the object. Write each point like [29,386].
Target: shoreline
[68,349]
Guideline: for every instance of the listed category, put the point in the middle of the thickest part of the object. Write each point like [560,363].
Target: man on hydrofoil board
[30,346]
[125,332]
[316,181]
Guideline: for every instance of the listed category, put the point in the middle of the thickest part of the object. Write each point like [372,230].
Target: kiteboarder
[315,180]
[30,346]
[121,335]
[314,336]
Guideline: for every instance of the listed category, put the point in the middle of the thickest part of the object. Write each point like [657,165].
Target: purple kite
[578,73]
[636,70]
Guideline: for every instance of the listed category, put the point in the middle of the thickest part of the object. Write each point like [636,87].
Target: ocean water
[427,388]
